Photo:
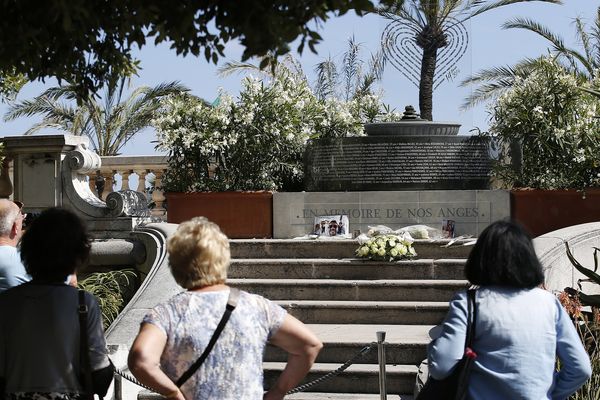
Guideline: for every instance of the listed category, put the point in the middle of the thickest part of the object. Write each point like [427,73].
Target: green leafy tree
[90,41]
[110,122]
[583,62]
[10,84]
[432,19]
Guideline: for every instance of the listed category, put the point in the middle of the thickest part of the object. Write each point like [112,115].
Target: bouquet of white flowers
[387,247]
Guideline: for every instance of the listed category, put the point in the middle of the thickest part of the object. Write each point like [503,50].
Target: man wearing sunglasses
[12,272]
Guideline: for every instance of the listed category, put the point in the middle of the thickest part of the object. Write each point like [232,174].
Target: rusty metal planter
[543,211]
[241,215]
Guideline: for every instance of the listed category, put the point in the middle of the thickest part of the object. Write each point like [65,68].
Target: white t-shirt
[12,271]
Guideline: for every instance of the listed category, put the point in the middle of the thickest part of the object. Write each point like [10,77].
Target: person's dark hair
[55,245]
[504,256]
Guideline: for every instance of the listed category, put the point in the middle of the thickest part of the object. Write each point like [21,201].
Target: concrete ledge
[551,250]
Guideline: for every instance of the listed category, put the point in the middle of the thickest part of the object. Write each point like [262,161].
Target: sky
[488,46]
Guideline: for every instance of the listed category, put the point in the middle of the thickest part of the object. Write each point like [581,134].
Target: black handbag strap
[471,317]
[234,294]
[84,355]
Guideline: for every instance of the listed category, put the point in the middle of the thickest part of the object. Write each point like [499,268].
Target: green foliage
[113,290]
[554,123]
[10,84]
[586,323]
[433,17]
[583,62]
[588,327]
[91,42]
[109,123]
[257,141]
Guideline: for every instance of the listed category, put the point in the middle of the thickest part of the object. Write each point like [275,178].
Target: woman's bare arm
[302,347]
[144,361]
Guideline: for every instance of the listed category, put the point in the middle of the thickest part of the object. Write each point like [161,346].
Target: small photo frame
[448,226]
[332,225]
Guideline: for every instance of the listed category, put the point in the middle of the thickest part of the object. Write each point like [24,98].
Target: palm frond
[584,39]
[494,81]
[571,55]
[236,67]
[351,67]
[327,78]
[536,27]
[595,33]
[479,7]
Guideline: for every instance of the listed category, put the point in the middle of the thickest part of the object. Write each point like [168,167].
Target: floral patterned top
[233,369]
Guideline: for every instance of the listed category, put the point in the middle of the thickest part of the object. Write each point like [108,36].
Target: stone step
[147,395]
[357,290]
[405,344]
[348,268]
[290,248]
[367,312]
[345,396]
[358,378]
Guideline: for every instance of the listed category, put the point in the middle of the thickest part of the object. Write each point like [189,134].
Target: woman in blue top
[520,330]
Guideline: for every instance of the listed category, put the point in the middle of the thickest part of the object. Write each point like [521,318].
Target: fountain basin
[412,128]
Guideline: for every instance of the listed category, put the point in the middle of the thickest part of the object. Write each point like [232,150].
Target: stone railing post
[108,183]
[141,173]
[125,178]
[125,166]
[158,195]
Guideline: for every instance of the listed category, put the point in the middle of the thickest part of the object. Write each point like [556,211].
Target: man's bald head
[9,212]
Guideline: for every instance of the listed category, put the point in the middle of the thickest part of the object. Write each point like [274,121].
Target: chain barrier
[338,371]
[132,379]
[297,389]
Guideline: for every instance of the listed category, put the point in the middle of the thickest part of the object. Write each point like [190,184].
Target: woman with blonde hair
[174,333]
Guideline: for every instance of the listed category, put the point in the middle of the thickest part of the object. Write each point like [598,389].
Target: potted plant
[548,137]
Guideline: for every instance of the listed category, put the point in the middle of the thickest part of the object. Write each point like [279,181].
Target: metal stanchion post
[118,387]
[381,358]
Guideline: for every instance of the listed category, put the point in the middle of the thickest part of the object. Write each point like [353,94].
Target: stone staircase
[345,301]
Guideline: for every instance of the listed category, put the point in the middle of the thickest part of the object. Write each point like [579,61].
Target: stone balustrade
[123,172]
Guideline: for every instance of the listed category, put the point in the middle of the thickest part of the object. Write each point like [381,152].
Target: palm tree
[109,122]
[353,78]
[584,62]
[432,19]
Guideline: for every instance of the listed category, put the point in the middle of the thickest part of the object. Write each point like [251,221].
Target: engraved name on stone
[401,162]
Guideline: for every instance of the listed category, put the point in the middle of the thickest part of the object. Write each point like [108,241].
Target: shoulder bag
[454,386]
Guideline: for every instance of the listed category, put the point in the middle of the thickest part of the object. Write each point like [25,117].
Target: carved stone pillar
[6,186]
[141,173]
[108,183]
[158,196]
[125,179]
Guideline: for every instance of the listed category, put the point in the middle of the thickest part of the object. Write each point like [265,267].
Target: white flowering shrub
[257,141]
[556,125]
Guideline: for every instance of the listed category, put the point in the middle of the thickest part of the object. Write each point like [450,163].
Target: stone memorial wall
[471,210]
[398,163]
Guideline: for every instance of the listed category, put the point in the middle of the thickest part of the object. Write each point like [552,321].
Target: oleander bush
[548,122]
[257,140]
